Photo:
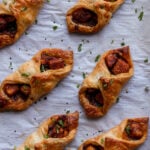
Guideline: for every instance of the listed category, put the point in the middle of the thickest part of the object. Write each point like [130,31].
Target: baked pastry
[53,134]
[90,16]
[128,135]
[15,17]
[100,89]
[34,78]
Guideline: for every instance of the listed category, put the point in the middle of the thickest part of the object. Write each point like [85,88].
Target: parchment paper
[124,27]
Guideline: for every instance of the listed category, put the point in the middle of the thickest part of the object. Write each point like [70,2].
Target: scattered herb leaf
[55,28]
[78,85]
[42,68]
[102,141]
[36,21]
[127,129]
[123,44]
[105,85]
[26,148]
[68,111]
[15,148]
[5,2]
[84,75]
[24,8]
[61,123]
[140,17]
[117,100]
[25,74]
[133,1]
[46,136]
[97,58]
[79,47]
[112,41]
[146,60]
[146,89]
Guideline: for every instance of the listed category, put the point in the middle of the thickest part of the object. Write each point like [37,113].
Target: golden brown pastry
[128,135]
[15,17]
[90,16]
[53,134]
[34,78]
[101,88]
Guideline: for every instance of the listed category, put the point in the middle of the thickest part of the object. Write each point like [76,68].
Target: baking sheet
[124,27]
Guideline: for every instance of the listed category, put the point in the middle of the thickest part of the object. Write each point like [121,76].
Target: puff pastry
[100,89]
[90,16]
[128,135]
[34,78]
[53,134]
[15,17]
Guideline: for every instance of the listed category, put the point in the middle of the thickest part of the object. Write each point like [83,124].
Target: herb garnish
[42,68]
[102,141]
[146,60]
[79,47]
[15,147]
[117,100]
[122,44]
[68,111]
[36,21]
[84,75]
[10,65]
[112,41]
[146,89]
[133,1]
[61,123]
[55,28]
[25,74]
[26,148]
[4,2]
[127,129]
[78,85]
[46,136]
[48,0]
[97,58]
[24,8]
[140,17]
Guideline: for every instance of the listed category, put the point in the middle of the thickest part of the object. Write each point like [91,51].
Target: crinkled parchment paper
[124,27]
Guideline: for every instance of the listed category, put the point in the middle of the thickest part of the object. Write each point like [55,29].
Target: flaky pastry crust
[42,140]
[15,17]
[101,88]
[90,16]
[128,135]
[35,78]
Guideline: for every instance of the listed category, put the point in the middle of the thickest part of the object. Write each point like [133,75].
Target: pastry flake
[101,88]
[90,16]
[15,17]
[53,134]
[35,78]
[128,135]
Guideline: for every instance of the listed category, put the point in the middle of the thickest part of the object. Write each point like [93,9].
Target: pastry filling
[51,62]
[95,97]
[8,25]
[60,127]
[85,17]
[2,102]
[93,147]
[134,130]
[17,91]
[117,64]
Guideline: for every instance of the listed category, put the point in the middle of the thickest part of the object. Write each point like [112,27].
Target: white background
[123,27]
